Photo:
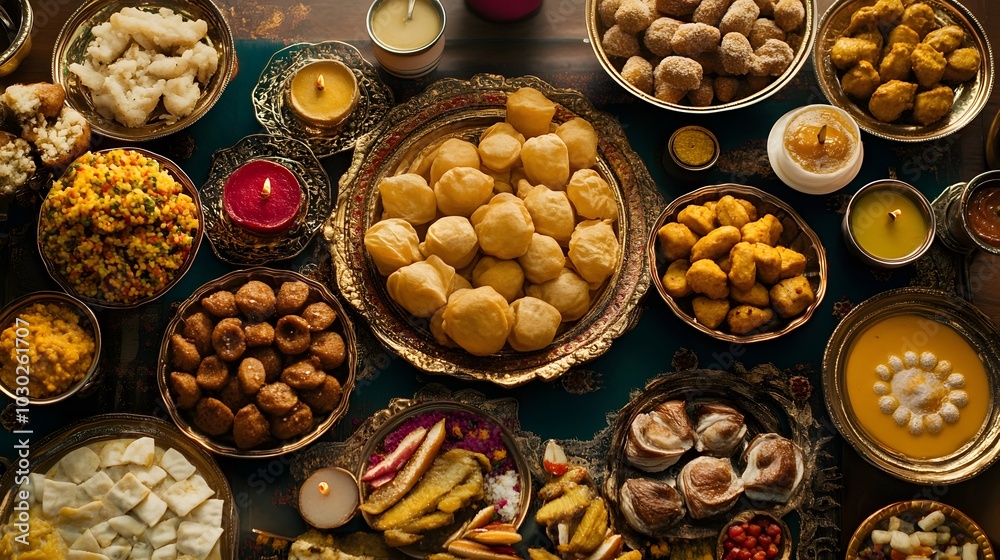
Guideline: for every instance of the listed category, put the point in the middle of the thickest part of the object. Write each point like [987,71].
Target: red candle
[262,196]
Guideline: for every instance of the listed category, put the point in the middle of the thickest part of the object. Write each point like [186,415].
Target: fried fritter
[793,263]
[702,95]
[324,398]
[931,106]
[889,11]
[695,38]
[739,18]
[634,16]
[756,295]
[743,266]
[183,354]
[896,63]
[771,59]
[276,398]
[735,53]
[766,230]
[726,88]
[676,240]
[743,319]
[639,72]
[220,304]
[945,39]
[198,329]
[699,219]
[659,35]
[213,373]
[710,312]
[863,18]
[303,375]
[319,315]
[762,30]
[928,64]
[731,211]
[185,388]
[258,334]
[251,375]
[710,12]
[920,18]
[677,7]
[848,51]
[228,339]
[861,81]
[232,396]
[296,422]
[718,242]
[675,279]
[327,348]
[270,358]
[902,34]
[213,417]
[705,277]
[963,64]
[292,297]
[768,263]
[256,300]
[792,296]
[891,99]
[789,14]
[618,42]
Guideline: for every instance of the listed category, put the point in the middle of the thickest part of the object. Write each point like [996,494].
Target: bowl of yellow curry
[50,343]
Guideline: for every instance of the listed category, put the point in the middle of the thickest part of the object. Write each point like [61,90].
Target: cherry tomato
[759,555]
[772,551]
[754,529]
[749,542]
[773,530]
[745,554]
[735,530]
[764,540]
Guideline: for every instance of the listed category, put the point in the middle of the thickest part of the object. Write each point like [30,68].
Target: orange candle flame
[320,83]
[266,190]
[324,488]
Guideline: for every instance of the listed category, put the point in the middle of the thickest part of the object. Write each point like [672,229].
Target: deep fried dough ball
[862,20]
[902,34]
[711,63]
[220,304]
[742,266]
[766,7]
[302,375]
[726,88]
[848,51]
[789,14]
[889,12]
[694,38]
[771,59]
[679,72]
[767,261]
[740,17]
[963,64]
[666,92]
[920,18]
[931,106]
[256,300]
[606,10]
[792,296]
[705,277]
[251,375]
[296,422]
[946,39]
[745,318]
[319,315]
[710,312]
[756,295]
[861,81]
[675,279]
[276,398]
[324,398]
[731,211]
[228,339]
[183,354]
[766,230]
[634,16]
[328,349]
[677,7]
[659,35]
[702,95]
[270,358]
[292,297]
[793,263]
[258,334]
[699,219]
[717,243]
[736,53]
[895,64]
[212,373]
[677,240]
[639,72]
[762,30]
[213,417]
[291,335]
[710,12]
[928,64]
[185,388]
[250,427]
[891,99]
[232,396]
[618,42]
[198,329]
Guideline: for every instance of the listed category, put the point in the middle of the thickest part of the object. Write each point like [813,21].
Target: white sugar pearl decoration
[895,363]
[888,404]
[882,388]
[958,398]
[933,423]
[883,372]
[949,413]
[917,424]
[901,416]
[928,361]
[955,381]
[910,359]
[944,366]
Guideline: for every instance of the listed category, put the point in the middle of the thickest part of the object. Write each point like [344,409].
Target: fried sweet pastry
[678,72]
[295,422]
[591,196]
[303,375]
[251,375]
[702,95]
[184,354]
[276,398]
[452,153]
[535,324]
[675,279]
[709,485]
[324,398]
[328,350]
[920,18]
[658,38]
[634,16]
[567,292]
[478,320]
[544,259]
[639,72]
[232,396]
[250,427]
[764,29]
[699,219]
[551,212]
[258,334]
[677,240]
[213,417]
[408,197]
[319,315]
[710,312]
[736,53]
[861,81]
[228,339]
[695,38]
[581,141]
[617,42]
[789,14]
[848,51]
[185,388]
[271,360]
[743,319]
[891,99]
[422,287]
[220,304]
[530,112]
[710,12]
[928,64]
[896,63]
[720,429]
[774,468]
[740,17]
[291,297]
[594,251]
[657,439]
[392,244]
[504,276]
[726,88]
[212,374]
[963,64]
[792,296]
[768,262]
[461,190]
[198,329]
[666,92]
[650,506]
[504,227]
[715,244]
[256,300]
[771,59]
[706,278]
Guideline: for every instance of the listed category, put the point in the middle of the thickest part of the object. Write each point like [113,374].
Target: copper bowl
[918,508]
[784,549]
[20,45]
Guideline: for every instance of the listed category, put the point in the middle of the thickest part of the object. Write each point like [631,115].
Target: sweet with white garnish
[921,393]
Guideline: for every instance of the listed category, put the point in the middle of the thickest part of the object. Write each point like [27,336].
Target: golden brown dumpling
[392,244]
[504,227]
[461,190]
[459,282]
[500,146]
[581,141]
[422,287]
[408,196]
[437,328]
[454,152]
[546,161]
[591,196]
[478,320]
[594,251]
[567,292]
[544,259]
[551,213]
[535,324]
[530,112]
[506,277]
[453,239]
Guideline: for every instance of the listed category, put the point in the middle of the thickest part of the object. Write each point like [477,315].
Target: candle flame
[822,135]
[266,190]
[320,83]
[324,488]
[895,214]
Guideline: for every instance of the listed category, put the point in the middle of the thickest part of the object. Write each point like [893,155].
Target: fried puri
[250,427]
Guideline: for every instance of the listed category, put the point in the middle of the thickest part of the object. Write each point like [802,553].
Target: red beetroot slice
[395,460]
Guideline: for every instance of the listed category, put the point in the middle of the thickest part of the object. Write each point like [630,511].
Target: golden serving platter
[453,107]
[918,508]
[940,307]
[797,235]
[970,97]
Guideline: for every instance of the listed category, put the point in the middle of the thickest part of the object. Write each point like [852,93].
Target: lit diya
[889,223]
[262,197]
[329,498]
[816,149]
[323,93]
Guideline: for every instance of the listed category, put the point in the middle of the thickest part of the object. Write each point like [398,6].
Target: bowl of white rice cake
[139,71]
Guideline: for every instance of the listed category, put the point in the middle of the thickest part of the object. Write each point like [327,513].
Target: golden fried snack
[453,240]
[251,376]
[232,396]
[768,262]
[256,300]
[639,72]
[756,295]
[551,212]
[848,51]
[270,358]
[789,14]
[743,319]
[319,315]
[896,63]
[920,18]
[220,304]
[792,296]
[567,292]
[766,230]
[276,398]
[710,12]
[535,324]
[303,375]
[710,312]
[292,297]
[454,152]
[545,159]
[705,277]
[736,53]
[530,112]
[581,142]
[945,39]
[228,339]
[889,12]
[702,95]
[594,251]
[392,244]
[292,335]
[762,30]
[675,279]
[296,422]
[422,287]
[659,36]
[740,17]
[461,190]
[963,64]
[634,16]
[861,81]
[408,197]
[718,242]
[591,196]
[500,147]
[327,350]
[504,227]
[324,398]
[666,92]
[771,59]
[793,263]
[902,34]
[871,34]
[732,212]
[725,263]
[753,84]
[742,266]
[212,374]
[198,330]
[544,259]
[478,320]
[504,276]
[697,218]
[766,7]
[862,19]
[677,7]
[931,106]
[213,417]
[258,334]
[606,10]
[694,38]
[928,64]
[617,42]
[185,388]
[726,88]
[250,427]
[891,99]
[678,72]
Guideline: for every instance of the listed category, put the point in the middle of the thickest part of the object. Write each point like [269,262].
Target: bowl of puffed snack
[143,72]
[258,363]
[905,70]
[701,56]
[736,263]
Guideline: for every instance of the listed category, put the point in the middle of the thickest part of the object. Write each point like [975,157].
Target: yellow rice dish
[117,227]
[43,541]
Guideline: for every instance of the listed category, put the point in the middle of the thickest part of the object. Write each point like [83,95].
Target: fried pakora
[902,34]
[792,296]
[889,11]
[963,64]
[945,39]
[743,319]
[896,64]
[891,99]
[675,279]
[928,65]
[931,106]
[848,51]
[861,81]
[710,312]
[920,18]
[705,277]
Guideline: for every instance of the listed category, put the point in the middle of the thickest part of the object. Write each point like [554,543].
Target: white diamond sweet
[920,392]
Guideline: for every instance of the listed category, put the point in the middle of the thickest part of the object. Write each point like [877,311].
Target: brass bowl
[940,307]
[452,107]
[434,541]
[20,46]
[797,235]
[88,322]
[784,549]
[274,278]
[970,97]
[48,451]
[613,66]
[189,189]
[71,46]
[918,508]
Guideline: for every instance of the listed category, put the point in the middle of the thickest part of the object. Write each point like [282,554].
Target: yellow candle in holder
[888,224]
[324,93]
[329,498]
